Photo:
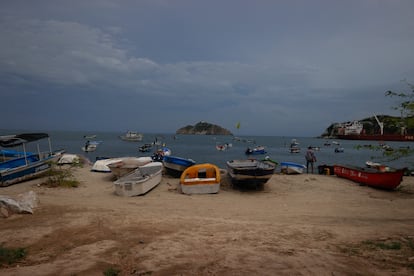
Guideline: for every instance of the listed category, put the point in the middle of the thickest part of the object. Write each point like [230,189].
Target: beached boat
[201,179]
[292,168]
[139,181]
[256,150]
[29,165]
[132,136]
[101,165]
[127,164]
[68,158]
[175,166]
[250,171]
[382,177]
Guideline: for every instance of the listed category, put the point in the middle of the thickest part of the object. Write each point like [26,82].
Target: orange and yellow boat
[201,179]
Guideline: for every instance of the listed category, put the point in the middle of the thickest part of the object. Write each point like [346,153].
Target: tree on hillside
[405,106]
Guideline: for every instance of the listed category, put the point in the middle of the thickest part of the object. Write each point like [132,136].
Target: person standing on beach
[310,159]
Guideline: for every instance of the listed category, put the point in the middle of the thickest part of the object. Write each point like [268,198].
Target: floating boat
[132,136]
[292,168]
[89,137]
[383,177]
[175,166]
[139,181]
[28,166]
[250,171]
[127,164]
[200,179]
[145,148]
[339,150]
[256,150]
[90,147]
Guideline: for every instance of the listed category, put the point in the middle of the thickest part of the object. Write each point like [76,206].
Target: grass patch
[9,256]
[111,272]
[60,177]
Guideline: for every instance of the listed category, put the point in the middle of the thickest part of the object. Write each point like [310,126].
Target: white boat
[68,158]
[91,146]
[29,165]
[132,136]
[127,164]
[292,168]
[101,165]
[139,181]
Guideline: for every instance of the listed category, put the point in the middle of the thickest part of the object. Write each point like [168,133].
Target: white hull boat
[292,168]
[140,181]
[127,165]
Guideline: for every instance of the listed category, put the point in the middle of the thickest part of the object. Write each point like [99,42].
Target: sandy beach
[297,225]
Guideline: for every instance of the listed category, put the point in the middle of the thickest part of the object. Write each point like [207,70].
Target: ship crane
[381,125]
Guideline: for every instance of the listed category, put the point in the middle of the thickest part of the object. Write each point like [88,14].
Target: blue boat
[256,150]
[28,166]
[175,166]
[292,168]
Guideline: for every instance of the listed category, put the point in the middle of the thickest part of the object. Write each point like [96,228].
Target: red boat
[382,177]
[377,137]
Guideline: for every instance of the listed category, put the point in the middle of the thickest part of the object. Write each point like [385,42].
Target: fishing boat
[175,166]
[250,171]
[140,181]
[145,148]
[132,136]
[127,164]
[256,150]
[90,146]
[382,177]
[292,168]
[29,165]
[201,179]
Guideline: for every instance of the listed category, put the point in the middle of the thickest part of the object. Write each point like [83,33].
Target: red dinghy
[383,178]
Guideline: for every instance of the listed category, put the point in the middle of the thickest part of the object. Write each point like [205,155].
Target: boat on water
[256,150]
[201,179]
[29,165]
[354,131]
[140,181]
[175,165]
[291,168]
[145,148]
[90,146]
[160,154]
[89,137]
[127,164]
[132,136]
[382,177]
[250,171]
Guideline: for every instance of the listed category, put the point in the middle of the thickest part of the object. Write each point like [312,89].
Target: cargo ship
[355,131]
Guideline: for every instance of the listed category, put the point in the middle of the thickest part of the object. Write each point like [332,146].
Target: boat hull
[175,166]
[127,165]
[200,179]
[388,180]
[292,168]
[378,137]
[249,171]
[139,181]
[13,175]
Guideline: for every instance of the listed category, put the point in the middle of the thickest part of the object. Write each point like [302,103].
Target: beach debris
[23,204]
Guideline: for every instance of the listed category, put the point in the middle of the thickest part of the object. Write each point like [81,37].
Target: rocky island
[203,128]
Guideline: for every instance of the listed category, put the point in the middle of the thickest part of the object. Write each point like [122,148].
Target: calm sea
[201,148]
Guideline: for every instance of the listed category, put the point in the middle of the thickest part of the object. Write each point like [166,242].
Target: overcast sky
[288,68]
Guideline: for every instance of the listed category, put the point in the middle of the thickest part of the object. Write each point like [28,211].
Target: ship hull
[378,137]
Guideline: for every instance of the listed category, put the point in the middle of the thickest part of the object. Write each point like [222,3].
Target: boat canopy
[8,141]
